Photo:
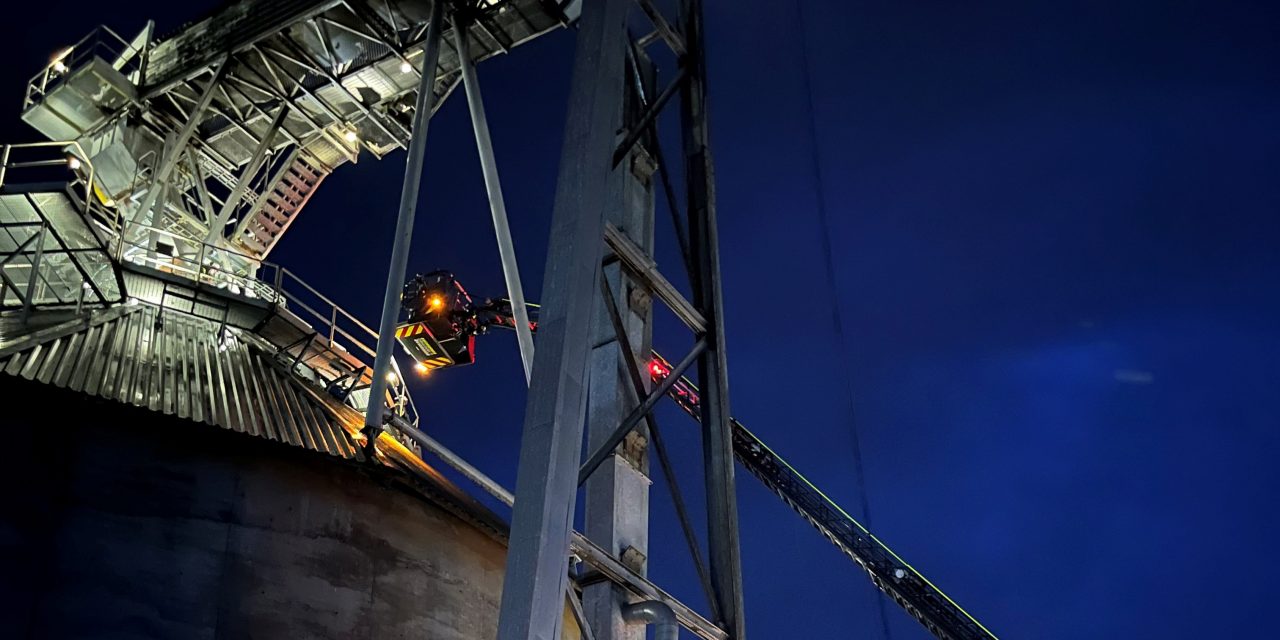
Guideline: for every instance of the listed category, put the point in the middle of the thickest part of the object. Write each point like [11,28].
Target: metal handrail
[344,312]
[91,45]
[273,283]
[206,271]
[71,153]
[271,290]
[7,162]
[276,289]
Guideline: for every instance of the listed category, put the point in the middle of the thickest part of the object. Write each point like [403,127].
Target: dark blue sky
[1055,230]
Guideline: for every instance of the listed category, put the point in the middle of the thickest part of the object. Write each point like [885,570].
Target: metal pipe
[497,205]
[454,460]
[655,613]
[404,226]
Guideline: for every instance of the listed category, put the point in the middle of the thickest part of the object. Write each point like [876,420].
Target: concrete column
[617,495]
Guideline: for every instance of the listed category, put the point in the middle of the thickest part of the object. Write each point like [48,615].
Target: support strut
[550,449]
[497,204]
[404,226]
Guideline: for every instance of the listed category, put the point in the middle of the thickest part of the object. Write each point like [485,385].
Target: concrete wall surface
[119,522]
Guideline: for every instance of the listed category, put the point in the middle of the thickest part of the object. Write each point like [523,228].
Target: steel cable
[829,263]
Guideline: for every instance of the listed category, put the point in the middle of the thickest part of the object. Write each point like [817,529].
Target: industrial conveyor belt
[890,573]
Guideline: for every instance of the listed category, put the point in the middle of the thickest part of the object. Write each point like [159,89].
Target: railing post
[333,322]
[4,163]
[200,264]
[88,189]
[27,303]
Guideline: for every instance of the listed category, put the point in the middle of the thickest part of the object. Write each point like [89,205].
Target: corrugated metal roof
[184,366]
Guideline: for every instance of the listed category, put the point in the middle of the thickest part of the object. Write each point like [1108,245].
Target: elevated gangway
[60,251]
[221,132]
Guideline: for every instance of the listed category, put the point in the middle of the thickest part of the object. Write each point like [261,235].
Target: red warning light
[657,369]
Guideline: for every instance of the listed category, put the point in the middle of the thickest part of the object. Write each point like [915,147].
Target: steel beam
[355,99]
[642,126]
[404,229]
[717,433]
[654,146]
[662,27]
[637,414]
[532,595]
[638,389]
[201,187]
[641,587]
[173,151]
[642,267]
[590,553]
[497,204]
[579,615]
[28,300]
[217,227]
[271,90]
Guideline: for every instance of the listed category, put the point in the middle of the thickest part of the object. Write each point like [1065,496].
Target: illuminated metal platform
[60,256]
[221,132]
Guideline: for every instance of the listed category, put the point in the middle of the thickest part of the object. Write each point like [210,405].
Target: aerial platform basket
[440,329]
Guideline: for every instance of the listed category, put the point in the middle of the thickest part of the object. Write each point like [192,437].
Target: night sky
[1054,229]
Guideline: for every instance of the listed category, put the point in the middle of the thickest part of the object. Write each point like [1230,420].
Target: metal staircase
[64,255]
[276,209]
[322,80]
